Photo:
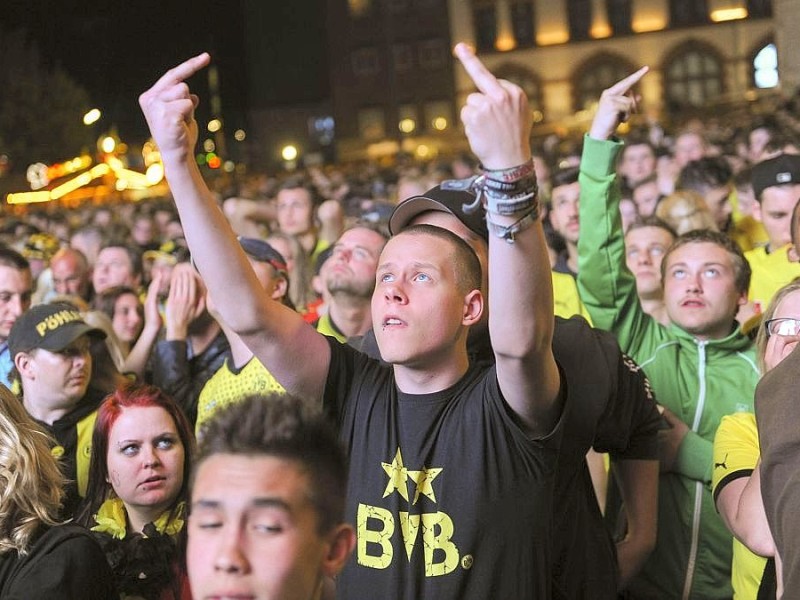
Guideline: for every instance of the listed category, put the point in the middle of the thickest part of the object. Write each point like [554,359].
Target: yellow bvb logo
[376,525]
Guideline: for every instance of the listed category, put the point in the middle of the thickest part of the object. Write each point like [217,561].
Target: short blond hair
[31,483]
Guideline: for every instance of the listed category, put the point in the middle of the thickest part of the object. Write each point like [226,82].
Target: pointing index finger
[622,86]
[184,70]
[480,75]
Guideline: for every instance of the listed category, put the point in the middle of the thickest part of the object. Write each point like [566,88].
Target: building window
[322,129]
[759,8]
[438,115]
[529,83]
[365,62]
[580,19]
[765,67]
[597,75]
[688,12]
[371,123]
[619,16]
[403,55]
[432,54]
[485,27]
[522,22]
[359,8]
[398,6]
[431,4]
[693,77]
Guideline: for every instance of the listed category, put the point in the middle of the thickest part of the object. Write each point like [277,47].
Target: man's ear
[473,308]
[341,542]
[757,211]
[281,288]
[22,361]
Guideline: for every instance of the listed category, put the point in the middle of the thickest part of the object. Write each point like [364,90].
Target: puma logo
[722,464]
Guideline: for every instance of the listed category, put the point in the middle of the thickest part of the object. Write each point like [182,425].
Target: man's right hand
[169,106]
[615,106]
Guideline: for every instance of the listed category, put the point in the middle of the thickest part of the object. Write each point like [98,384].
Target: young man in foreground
[450,468]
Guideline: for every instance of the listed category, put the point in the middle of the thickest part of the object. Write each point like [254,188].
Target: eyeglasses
[785,326]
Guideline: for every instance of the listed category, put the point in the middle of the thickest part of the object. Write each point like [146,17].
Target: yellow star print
[398,476]
[424,480]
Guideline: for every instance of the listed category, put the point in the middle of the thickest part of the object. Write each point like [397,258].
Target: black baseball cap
[450,197]
[51,327]
[783,169]
[261,251]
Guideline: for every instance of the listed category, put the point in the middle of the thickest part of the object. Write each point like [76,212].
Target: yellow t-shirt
[326,327]
[770,273]
[736,453]
[226,387]
[567,303]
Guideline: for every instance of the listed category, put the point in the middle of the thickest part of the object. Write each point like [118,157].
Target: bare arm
[740,506]
[296,355]
[136,361]
[638,484]
[497,122]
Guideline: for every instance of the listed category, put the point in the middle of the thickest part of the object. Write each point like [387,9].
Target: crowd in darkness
[558,370]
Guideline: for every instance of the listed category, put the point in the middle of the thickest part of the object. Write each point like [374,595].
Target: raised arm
[498,123]
[294,353]
[606,286]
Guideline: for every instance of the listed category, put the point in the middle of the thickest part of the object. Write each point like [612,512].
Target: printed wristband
[512,187]
[509,205]
[509,232]
[511,174]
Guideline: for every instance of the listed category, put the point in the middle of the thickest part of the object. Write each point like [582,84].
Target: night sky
[116,49]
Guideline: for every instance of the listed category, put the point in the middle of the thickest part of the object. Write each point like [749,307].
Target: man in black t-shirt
[451,468]
[610,408]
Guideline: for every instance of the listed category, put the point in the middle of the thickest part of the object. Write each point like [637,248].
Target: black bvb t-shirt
[450,498]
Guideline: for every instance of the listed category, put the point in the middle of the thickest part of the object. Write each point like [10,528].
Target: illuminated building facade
[391,76]
[392,73]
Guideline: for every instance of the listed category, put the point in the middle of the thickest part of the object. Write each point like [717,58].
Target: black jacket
[182,377]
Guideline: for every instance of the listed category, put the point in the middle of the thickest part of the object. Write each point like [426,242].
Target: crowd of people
[507,376]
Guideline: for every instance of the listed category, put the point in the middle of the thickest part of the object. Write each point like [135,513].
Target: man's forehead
[112,253]
[361,236]
[648,233]
[700,251]
[13,279]
[293,194]
[566,191]
[263,477]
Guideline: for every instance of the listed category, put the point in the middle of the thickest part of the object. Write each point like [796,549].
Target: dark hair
[13,259]
[133,395]
[743,178]
[465,262]
[651,221]
[295,183]
[565,176]
[630,142]
[285,427]
[106,300]
[704,173]
[741,268]
[134,255]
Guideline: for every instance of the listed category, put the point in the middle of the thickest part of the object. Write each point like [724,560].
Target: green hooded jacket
[699,381]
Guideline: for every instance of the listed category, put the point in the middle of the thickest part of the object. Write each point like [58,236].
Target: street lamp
[289,152]
[91,117]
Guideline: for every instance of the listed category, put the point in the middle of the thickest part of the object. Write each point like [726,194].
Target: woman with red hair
[138,485]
